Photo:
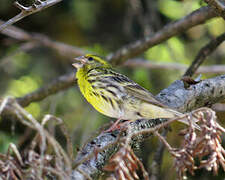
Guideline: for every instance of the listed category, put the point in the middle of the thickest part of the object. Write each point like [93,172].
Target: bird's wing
[133,88]
[130,87]
[141,93]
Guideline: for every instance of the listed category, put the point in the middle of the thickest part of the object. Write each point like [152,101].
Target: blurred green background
[101,27]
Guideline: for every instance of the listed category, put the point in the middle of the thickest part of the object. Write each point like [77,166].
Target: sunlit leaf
[177,9]
[216,26]
[22,86]
[171,51]
[34,109]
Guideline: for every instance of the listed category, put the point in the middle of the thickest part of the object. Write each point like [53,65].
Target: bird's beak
[80,61]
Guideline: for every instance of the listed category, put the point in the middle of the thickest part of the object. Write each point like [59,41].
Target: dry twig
[148,64]
[35,160]
[26,11]
[63,49]
[206,145]
[124,165]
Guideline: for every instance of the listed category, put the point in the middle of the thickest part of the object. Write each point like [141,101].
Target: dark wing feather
[141,93]
[134,89]
[131,87]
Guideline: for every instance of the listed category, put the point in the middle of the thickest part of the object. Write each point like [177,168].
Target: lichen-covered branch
[204,93]
[176,96]
[135,48]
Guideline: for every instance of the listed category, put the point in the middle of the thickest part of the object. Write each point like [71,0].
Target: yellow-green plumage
[114,94]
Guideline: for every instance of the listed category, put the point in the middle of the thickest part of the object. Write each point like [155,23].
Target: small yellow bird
[114,94]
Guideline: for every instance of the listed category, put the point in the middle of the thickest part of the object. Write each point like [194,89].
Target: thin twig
[203,53]
[61,153]
[36,126]
[163,140]
[16,152]
[28,120]
[26,11]
[150,64]
[63,49]
[64,130]
[157,159]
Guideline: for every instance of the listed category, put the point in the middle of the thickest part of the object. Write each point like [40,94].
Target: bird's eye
[90,59]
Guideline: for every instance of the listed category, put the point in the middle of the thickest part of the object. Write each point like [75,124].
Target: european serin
[114,94]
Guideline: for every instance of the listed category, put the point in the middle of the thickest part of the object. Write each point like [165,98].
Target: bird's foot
[117,125]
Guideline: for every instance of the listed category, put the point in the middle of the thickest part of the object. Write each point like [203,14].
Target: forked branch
[26,11]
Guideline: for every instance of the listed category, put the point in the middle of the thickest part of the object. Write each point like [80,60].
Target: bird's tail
[184,120]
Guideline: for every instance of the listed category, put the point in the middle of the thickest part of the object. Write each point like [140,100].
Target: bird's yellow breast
[93,97]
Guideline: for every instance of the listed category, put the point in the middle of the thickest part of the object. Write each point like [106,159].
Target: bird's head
[90,61]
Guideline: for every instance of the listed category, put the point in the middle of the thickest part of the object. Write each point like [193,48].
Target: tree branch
[218,6]
[203,53]
[144,63]
[63,49]
[176,96]
[133,49]
[26,11]
[195,18]
[204,93]
[59,84]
